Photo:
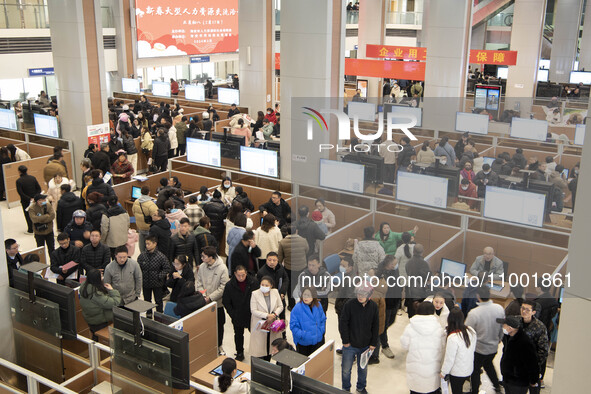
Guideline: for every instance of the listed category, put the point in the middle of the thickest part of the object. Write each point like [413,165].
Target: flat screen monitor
[161,89]
[8,119]
[544,63]
[339,175]
[401,113]
[303,384]
[46,125]
[136,192]
[488,160]
[514,206]
[228,96]
[492,101]
[265,373]
[204,152]
[487,97]
[175,340]
[61,295]
[502,72]
[364,111]
[422,189]
[473,123]
[579,134]
[129,85]
[195,92]
[452,268]
[580,76]
[531,129]
[543,75]
[259,161]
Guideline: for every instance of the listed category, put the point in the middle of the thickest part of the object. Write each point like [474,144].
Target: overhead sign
[200,59]
[503,58]
[40,72]
[396,52]
[98,133]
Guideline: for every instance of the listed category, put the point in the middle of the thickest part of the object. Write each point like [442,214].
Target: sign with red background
[396,52]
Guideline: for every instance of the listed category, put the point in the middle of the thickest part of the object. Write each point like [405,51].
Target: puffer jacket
[174,218]
[203,238]
[538,335]
[52,169]
[184,246]
[161,145]
[442,318]
[114,226]
[99,186]
[97,308]
[368,254]
[212,279]
[129,145]
[459,359]
[174,142]
[307,325]
[155,268]
[66,206]
[161,229]
[425,340]
[143,206]
[94,214]
[95,257]
[216,211]
[188,300]
[76,232]
[181,130]
[236,302]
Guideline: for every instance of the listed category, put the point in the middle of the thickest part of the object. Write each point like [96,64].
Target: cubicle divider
[452,249]
[320,366]
[218,127]
[344,214]
[335,242]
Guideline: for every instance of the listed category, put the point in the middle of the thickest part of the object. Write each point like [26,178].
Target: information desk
[203,376]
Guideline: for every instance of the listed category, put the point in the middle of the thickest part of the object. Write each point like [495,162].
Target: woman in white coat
[265,304]
[404,252]
[424,339]
[459,351]
[54,188]
[226,382]
[441,310]
[267,237]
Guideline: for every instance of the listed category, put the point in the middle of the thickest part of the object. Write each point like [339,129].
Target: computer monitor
[377,162]
[422,189]
[488,160]
[473,123]
[544,63]
[543,75]
[340,175]
[364,111]
[8,119]
[195,92]
[46,125]
[129,85]
[204,152]
[452,268]
[274,145]
[302,384]
[580,134]
[219,137]
[402,113]
[161,89]
[136,192]
[515,206]
[237,139]
[228,96]
[265,373]
[580,76]
[164,318]
[59,294]
[502,72]
[532,129]
[259,161]
[163,335]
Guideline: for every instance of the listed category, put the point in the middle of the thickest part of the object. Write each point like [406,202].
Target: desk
[103,335]
[203,376]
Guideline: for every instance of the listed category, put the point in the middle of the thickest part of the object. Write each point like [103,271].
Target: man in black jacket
[27,187]
[79,229]
[183,243]
[549,306]
[203,237]
[66,206]
[63,255]
[160,150]
[236,300]
[484,178]
[98,185]
[308,229]
[358,326]
[14,260]
[519,364]
[216,211]
[101,160]
[416,267]
[160,228]
[95,255]
[278,207]
[246,254]
[405,156]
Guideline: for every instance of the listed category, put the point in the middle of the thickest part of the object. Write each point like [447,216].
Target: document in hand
[365,358]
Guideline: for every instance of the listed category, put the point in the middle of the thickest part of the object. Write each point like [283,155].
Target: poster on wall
[98,133]
[186,27]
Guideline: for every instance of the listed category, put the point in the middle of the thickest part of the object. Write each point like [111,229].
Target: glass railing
[501,19]
[33,16]
[404,18]
[277,17]
[352,17]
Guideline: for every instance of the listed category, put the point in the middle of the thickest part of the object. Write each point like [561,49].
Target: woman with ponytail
[404,252]
[225,383]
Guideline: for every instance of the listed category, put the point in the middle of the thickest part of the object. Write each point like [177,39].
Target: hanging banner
[396,52]
[502,58]
[414,71]
[98,133]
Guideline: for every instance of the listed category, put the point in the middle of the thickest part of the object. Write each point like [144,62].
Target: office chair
[332,263]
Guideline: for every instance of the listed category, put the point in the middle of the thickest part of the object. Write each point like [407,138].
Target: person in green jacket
[181,131]
[389,239]
[97,300]
[267,129]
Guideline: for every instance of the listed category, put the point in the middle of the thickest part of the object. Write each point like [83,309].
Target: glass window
[51,85]
[196,69]
[168,72]
[153,73]
[33,86]
[182,72]
[11,89]
[209,69]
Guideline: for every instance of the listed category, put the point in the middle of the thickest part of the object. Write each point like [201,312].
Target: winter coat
[127,279]
[65,209]
[306,279]
[241,256]
[229,226]
[114,226]
[212,279]
[268,241]
[282,212]
[94,214]
[95,258]
[402,258]
[279,275]
[404,157]
[161,229]
[368,254]
[216,211]
[307,325]
[161,145]
[538,335]
[228,195]
[203,238]
[147,141]
[188,300]
[518,364]
[493,180]
[61,256]
[496,267]
[101,161]
[425,156]
[194,212]
[174,142]
[236,302]
[245,201]
[174,218]
[425,340]
[483,319]
[54,191]
[442,318]
[259,311]
[99,186]
[459,359]
[143,206]
[309,230]
[390,245]
[181,130]
[97,308]
[76,232]
[358,324]
[42,217]
[417,267]
[155,268]
[184,246]
[129,145]
[122,168]
[27,187]
[52,169]
[293,250]
[448,152]
[176,284]
[232,240]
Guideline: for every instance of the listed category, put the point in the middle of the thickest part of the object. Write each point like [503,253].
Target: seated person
[467,189]
[488,263]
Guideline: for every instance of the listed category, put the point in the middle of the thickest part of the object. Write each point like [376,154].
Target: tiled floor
[387,377]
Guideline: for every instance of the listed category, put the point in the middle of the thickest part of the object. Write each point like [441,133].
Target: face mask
[226,185]
[265,289]
[268,113]
[505,331]
[464,187]
[486,173]
[44,203]
[342,269]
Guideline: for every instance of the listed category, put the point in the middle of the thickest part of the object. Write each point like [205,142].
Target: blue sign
[200,59]
[39,72]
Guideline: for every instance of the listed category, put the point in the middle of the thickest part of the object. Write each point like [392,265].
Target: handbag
[147,218]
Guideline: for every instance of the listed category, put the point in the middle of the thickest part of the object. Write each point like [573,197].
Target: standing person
[328,217]
[143,208]
[388,271]
[203,237]
[17,154]
[483,319]
[484,178]
[194,212]
[122,169]
[519,364]
[181,134]
[404,252]
[235,214]
[155,269]
[389,239]
[538,335]
[225,383]
[236,300]
[211,280]
[425,340]
[63,255]
[267,237]
[174,216]
[425,155]
[315,275]
[146,145]
[273,269]
[293,250]
[79,229]
[246,253]
[368,253]
[358,326]
[114,225]
[417,268]
[216,211]
[308,323]
[4,159]
[66,206]
[95,255]
[458,362]
[95,210]
[174,87]
[131,150]
[125,275]
[27,188]
[97,300]
[160,228]
[278,207]
[308,229]
[54,188]
[183,243]
[441,310]
[265,306]
[42,215]
[161,146]
[461,144]
[228,192]
[405,155]
[234,236]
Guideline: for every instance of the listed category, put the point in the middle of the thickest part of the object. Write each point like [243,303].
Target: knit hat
[316,216]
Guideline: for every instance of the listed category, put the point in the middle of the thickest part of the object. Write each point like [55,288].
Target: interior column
[567,19]
[372,30]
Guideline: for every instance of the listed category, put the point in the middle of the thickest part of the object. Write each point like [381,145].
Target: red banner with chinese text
[385,69]
[502,58]
[396,52]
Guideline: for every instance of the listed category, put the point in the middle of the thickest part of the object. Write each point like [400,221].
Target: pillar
[585,49]
[77,48]
[312,69]
[256,23]
[478,39]
[125,42]
[372,30]
[567,19]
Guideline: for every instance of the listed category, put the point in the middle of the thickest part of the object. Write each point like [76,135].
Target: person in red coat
[468,189]
[174,87]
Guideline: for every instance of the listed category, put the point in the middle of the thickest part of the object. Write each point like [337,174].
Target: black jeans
[293,281]
[157,296]
[306,350]
[221,322]
[47,239]
[25,205]
[512,389]
[161,163]
[390,319]
[239,337]
[457,383]
[483,361]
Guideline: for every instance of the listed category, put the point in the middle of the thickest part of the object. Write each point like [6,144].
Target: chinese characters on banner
[98,133]
[503,58]
[186,27]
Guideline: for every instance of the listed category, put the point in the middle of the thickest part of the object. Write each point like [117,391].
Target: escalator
[484,10]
